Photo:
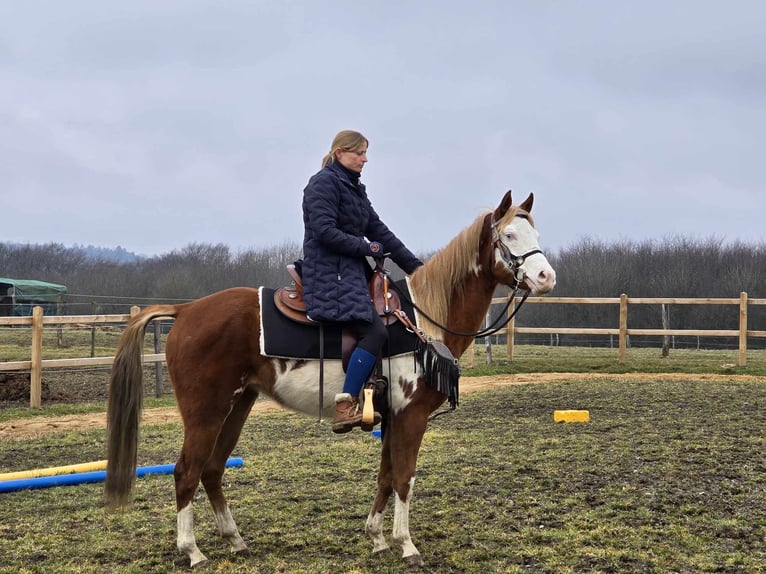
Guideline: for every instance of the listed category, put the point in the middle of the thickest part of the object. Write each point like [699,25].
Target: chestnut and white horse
[218,370]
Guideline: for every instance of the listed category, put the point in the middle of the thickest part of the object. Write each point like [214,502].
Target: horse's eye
[510,236]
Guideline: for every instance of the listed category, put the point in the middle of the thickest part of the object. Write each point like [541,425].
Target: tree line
[673,267]
[677,267]
[180,275]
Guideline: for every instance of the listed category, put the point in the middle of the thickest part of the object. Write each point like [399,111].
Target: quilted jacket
[338,216]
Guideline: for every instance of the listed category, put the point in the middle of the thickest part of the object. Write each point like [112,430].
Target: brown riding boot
[347,413]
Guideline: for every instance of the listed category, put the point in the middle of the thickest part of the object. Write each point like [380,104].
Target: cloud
[154,125]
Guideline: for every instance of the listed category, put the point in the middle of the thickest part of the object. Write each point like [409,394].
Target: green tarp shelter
[19,296]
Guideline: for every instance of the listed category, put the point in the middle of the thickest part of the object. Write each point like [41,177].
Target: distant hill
[115,254]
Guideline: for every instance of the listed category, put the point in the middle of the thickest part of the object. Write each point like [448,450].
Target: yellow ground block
[571,416]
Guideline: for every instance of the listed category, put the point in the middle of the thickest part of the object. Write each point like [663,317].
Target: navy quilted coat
[338,217]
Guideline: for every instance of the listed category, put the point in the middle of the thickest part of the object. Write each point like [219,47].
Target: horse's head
[517,260]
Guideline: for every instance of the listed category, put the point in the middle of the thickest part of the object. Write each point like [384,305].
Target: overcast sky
[152,125]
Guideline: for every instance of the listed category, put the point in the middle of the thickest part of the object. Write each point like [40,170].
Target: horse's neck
[459,300]
[467,309]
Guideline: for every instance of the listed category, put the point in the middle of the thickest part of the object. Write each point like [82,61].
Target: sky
[153,125]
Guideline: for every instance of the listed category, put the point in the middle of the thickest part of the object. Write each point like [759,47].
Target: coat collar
[346,174]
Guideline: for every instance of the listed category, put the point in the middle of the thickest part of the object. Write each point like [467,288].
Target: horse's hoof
[383,552]
[243,553]
[414,561]
[201,564]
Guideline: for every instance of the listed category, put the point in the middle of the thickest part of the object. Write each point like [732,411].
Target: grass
[546,359]
[669,476]
[76,342]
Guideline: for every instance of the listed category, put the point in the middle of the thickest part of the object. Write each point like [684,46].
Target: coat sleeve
[321,200]
[379,231]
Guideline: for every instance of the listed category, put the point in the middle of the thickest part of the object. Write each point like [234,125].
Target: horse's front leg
[374,526]
[406,437]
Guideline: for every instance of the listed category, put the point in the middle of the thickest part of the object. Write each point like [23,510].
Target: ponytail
[328,158]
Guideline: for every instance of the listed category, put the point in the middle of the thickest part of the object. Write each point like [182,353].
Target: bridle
[513,262]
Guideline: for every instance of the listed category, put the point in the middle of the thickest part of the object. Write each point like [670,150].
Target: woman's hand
[376,249]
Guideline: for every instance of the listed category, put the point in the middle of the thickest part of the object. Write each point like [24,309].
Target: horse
[218,370]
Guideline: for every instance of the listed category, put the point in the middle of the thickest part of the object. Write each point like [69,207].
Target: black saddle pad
[282,337]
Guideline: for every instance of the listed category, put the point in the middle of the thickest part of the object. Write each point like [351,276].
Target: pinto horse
[218,370]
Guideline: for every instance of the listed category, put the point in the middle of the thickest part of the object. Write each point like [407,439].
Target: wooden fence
[37,321]
[623,332]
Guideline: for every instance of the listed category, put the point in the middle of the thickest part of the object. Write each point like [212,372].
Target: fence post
[93,330]
[510,330]
[59,312]
[742,358]
[488,338]
[157,364]
[36,375]
[666,326]
[623,328]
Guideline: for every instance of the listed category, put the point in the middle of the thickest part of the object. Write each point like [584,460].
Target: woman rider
[341,230]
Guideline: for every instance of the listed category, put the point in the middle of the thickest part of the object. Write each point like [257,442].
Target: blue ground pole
[88,477]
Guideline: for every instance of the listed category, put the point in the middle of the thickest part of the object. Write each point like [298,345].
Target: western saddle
[289,300]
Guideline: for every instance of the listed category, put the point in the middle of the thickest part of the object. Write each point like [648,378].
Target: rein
[490,330]
[513,262]
[436,362]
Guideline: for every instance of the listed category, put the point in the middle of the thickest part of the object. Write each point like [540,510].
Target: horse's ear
[504,206]
[527,205]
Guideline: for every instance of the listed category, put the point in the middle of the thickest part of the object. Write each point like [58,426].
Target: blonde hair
[346,140]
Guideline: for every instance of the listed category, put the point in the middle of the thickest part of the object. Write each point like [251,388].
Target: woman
[341,230]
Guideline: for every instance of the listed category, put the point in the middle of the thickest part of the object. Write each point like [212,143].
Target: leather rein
[513,262]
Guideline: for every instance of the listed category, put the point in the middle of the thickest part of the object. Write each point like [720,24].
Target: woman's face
[353,160]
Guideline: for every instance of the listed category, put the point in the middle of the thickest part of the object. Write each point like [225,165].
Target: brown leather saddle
[289,301]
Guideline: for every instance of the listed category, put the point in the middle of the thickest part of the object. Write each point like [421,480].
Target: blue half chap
[360,366]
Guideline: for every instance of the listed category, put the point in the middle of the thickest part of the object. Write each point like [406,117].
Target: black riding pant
[371,336]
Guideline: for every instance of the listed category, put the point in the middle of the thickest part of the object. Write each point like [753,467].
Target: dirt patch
[15,386]
[39,426]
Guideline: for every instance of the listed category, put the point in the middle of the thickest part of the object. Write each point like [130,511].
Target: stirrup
[370,417]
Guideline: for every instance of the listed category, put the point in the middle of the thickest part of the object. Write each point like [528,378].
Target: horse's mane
[445,273]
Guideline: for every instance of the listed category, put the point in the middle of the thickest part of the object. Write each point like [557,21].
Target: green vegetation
[545,359]
[669,476]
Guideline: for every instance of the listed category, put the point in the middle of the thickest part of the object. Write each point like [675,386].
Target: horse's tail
[124,409]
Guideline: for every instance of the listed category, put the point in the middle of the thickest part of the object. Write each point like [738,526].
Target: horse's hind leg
[201,430]
[213,473]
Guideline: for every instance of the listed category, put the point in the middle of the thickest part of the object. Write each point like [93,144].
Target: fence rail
[38,321]
[623,332]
